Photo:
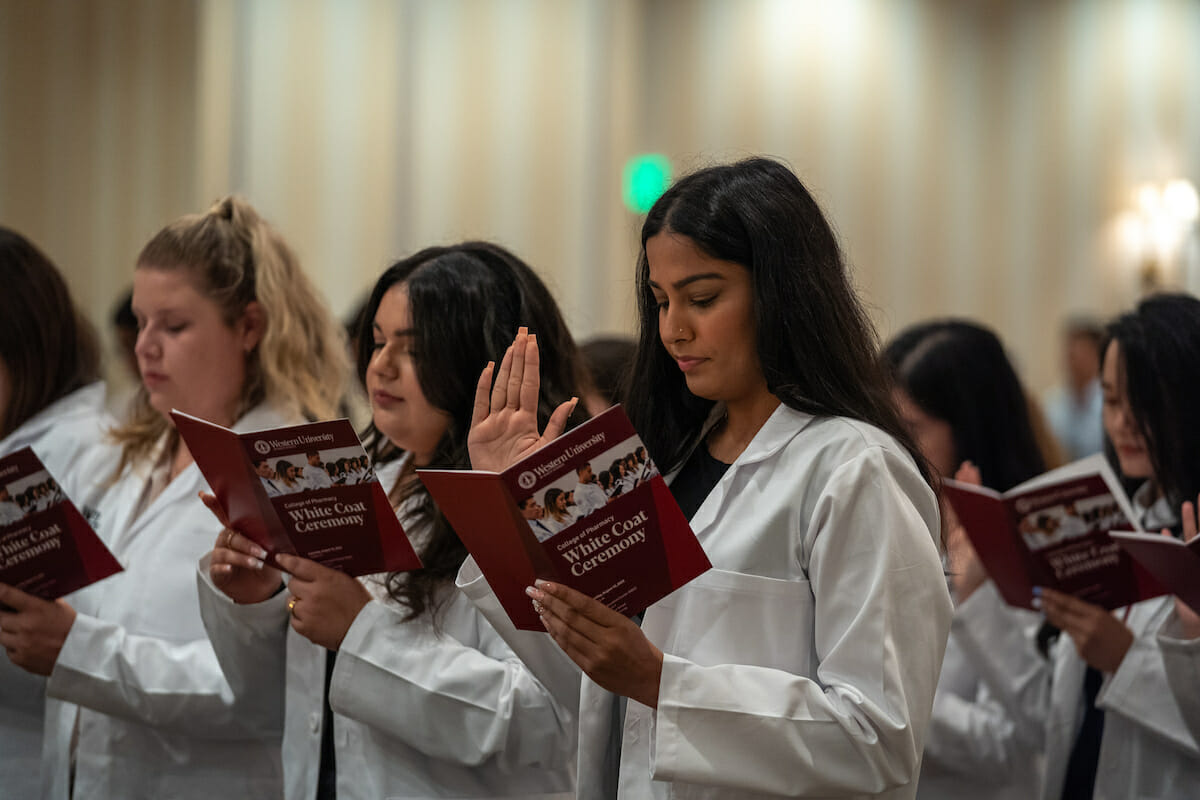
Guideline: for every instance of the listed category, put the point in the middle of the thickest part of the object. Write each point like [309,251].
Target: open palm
[504,425]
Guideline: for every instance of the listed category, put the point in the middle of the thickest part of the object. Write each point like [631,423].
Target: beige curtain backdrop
[974,157]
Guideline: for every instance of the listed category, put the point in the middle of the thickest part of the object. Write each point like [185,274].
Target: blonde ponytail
[234,257]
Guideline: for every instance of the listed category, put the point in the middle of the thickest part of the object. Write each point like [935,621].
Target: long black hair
[47,346]
[814,342]
[956,371]
[467,302]
[1160,369]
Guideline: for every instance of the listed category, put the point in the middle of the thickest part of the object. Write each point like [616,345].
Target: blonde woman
[232,331]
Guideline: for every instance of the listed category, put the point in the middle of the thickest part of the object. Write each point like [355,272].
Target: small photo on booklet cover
[589,510]
[47,548]
[306,490]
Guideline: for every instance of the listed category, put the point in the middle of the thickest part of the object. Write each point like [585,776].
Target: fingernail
[543,585]
[1037,591]
[522,331]
[1036,602]
[539,608]
[258,551]
[258,563]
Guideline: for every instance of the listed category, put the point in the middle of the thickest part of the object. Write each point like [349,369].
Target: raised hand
[1189,618]
[966,570]
[504,424]
[33,632]
[608,646]
[236,566]
[325,602]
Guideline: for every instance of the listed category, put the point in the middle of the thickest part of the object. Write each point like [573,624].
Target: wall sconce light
[1158,227]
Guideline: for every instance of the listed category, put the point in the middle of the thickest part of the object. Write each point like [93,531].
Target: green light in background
[643,180]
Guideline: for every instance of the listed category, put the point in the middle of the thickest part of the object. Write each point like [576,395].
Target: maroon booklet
[1176,565]
[307,490]
[589,511]
[47,548]
[1053,531]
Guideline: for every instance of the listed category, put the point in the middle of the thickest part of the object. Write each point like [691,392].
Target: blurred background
[1015,161]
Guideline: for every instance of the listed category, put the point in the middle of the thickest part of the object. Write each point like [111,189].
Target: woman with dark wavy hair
[804,663]
[963,402]
[424,698]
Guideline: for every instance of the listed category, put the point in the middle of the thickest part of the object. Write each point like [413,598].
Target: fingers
[568,609]
[500,385]
[514,394]
[215,507]
[1067,612]
[558,420]
[226,557]
[969,473]
[483,391]
[300,568]
[1189,521]
[531,378]
[15,599]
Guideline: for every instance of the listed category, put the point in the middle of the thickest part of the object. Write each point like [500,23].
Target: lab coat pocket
[727,617]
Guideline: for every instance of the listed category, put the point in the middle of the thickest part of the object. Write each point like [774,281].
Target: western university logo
[526,480]
[261,447]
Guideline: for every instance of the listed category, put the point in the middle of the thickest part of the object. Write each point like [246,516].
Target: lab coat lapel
[779,429]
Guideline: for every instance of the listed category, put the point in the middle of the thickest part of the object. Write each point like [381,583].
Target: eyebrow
[704,276]
[403,332]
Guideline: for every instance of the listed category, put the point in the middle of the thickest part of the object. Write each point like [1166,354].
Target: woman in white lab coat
[425,699]
[231,331]
[962,400]
[1111,719]
[804,663]
[51,399]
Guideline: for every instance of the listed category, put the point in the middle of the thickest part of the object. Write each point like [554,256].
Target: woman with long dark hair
[424,699]
[1109,714]
[963,402]
[804,663]
[51,399]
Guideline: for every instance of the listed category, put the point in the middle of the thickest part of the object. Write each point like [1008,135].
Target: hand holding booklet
[548,517]
[306,490]
[47,548]
[1053,531]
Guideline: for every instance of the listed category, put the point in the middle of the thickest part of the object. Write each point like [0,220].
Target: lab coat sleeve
[451,701]
[170,684]
[250,643]
[553,668]
[976,737]
[1004,654]
[1141,691]
[882,614]
[1181,660]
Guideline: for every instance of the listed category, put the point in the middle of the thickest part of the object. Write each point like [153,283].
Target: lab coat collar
[779,429]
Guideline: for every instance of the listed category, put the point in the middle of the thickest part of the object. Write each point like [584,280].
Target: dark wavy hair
[467,302]
[815,344]
[1160,369]
[47,346]
[957,371]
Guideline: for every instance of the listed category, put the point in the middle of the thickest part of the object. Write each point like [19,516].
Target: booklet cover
[1053,531]
[307,490]
[47,548]
[589,511]
[1174,564]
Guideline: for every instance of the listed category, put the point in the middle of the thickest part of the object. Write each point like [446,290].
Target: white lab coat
[589,497]
[419,712]
[974,749]
[1181,659]
[1147,751]
[137,682]
[825,514]
[66,435]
